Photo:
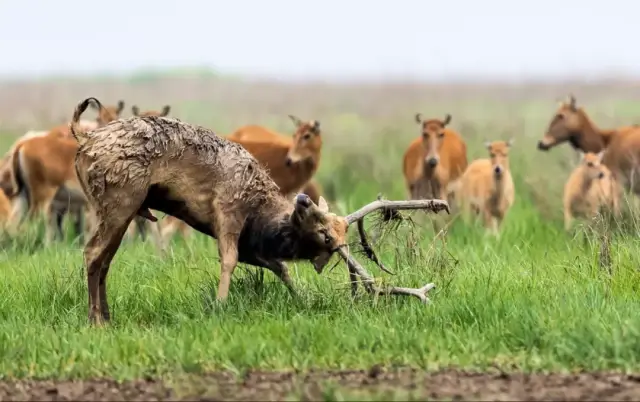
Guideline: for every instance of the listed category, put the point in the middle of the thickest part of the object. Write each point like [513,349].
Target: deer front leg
[228,251]
[281,270]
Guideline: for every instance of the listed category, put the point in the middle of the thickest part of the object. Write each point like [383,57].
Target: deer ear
[135,110]
[322,205]
[447,120]
[165,110]
[120,107]
[418,118]
[600,155]
[295,120]
[487,144]
[510,142]
[572,102]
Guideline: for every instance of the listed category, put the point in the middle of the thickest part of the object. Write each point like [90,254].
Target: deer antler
[355,267]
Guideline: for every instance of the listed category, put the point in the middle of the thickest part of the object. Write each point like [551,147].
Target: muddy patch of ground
[375,383]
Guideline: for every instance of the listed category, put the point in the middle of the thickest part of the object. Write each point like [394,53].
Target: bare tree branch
[432,205]
[370,286]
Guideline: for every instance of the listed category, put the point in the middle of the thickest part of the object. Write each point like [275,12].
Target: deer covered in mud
[589,188]
[486,187]
[290,161]
[43,177]
[141,225]
[219,189]
[570,123]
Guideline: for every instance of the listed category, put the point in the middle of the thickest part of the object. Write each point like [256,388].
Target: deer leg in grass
[228,251]
[99,252]
[281,270]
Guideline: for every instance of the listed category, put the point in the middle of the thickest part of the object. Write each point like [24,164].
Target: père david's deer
[590,187]
[217,187]
[43,165]
[487,188]
[570,123]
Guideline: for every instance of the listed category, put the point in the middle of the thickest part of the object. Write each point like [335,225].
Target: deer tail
[76,130]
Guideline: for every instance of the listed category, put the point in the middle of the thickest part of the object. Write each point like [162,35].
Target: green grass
[533,299]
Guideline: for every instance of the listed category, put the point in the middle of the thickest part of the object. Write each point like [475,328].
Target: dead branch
[368,251]
[370,286]
[431,205]
[356,269]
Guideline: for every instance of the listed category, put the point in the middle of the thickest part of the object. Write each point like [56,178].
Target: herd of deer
[239,189]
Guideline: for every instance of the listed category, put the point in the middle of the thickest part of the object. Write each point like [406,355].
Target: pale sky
[286,38]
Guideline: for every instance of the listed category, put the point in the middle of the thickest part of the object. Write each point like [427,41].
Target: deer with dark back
[217,187]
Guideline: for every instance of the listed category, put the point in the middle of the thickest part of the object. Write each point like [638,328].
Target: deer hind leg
[113,215]
[98,253]
[45,206]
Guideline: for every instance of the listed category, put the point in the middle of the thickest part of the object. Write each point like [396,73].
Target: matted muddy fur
[132,165]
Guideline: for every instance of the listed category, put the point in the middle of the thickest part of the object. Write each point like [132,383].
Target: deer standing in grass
[217,187]
[434,162]
[42,168]
[487,188]
[571,124]
[590,187]
[291,161]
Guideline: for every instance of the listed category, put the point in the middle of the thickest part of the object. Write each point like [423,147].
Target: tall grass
[534,298]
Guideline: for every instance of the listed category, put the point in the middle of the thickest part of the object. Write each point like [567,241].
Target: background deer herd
[38,177]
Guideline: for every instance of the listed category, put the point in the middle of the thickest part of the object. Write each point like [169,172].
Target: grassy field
[534,299]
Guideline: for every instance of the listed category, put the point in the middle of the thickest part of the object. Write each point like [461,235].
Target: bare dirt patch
[317,385]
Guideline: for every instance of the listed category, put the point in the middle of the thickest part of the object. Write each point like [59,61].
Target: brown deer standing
[434,162]
[217,187]
[571,124]
[41,167]
[487,188]
[590,187]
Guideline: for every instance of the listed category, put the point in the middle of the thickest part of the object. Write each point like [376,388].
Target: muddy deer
[590,187]
[141,225]
[486,187]
[570,123]
[217,187]
[42,166]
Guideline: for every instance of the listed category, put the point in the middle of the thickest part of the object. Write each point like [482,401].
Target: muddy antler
[355,267]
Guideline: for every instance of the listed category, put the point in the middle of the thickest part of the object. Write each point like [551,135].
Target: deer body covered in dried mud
[217,187]
[487,188]
[141,225]
[590,187]
[571,124]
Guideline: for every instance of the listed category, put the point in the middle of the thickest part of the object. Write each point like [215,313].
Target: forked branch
[355,267]
[370,286]
[431,205]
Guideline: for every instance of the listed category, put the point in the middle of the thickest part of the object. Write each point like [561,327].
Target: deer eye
[441,134]
[590,164]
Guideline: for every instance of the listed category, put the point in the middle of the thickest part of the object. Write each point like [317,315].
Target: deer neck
[270,234]
[590,138]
